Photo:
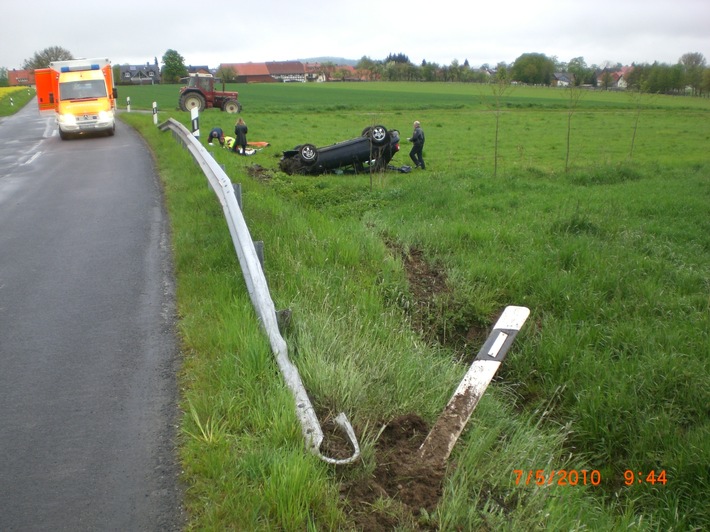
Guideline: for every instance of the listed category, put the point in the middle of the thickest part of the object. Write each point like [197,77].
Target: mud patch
[434,310]
[259,172]
[403,490]
[405,487]
[425,283]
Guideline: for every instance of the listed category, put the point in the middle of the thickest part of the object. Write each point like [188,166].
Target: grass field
[394,280]
[14,98]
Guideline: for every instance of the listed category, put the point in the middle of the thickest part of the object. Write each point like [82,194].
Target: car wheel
[308,153]
[377,134]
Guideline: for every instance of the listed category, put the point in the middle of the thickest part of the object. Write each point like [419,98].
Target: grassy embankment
[14,98]
[610,373]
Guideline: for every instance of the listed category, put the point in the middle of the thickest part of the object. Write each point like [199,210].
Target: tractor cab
[200,93]
[205,82]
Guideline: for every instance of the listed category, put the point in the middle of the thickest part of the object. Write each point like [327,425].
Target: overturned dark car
[372,150]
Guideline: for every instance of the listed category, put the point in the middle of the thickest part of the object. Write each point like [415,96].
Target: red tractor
[200,94]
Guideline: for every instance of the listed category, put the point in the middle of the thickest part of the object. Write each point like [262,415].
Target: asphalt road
[88,355]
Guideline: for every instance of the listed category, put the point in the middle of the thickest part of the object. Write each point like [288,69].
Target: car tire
[308,154]
[377,134]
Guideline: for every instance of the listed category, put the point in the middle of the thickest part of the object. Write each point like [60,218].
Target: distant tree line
[689,74]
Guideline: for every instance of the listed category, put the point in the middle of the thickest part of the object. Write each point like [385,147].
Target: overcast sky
[214,32]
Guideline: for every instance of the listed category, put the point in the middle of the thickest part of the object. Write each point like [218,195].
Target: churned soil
[405,487]
[411,485]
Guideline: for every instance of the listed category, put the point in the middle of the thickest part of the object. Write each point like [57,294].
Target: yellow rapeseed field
[7,91]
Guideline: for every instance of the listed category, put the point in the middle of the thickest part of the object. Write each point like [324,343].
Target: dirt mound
[402,484]
[259,172]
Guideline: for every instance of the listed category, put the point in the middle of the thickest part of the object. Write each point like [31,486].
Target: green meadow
[14,98]
[593,210]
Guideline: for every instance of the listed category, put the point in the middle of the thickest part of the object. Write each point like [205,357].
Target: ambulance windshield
[85,89]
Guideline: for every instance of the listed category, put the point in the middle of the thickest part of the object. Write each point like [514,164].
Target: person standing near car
[417,140]
[240,134]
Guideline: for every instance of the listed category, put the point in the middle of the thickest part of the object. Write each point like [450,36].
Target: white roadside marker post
[443,436]
[195,116]
[155,113]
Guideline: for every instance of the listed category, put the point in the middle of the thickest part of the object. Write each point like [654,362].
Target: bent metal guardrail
[259,294]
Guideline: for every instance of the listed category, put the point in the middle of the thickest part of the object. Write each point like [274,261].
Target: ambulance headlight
[67,119]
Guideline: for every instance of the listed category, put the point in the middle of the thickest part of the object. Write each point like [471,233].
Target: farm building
[282,71]
[16,78]
[287,70]
[269,72]
[314,72]
[248,72]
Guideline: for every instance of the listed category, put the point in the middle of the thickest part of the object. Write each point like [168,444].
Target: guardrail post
[259,247]
[283,319]
[238,193]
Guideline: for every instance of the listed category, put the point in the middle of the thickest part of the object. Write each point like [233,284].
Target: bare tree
[637,99]
[500,87]
[607,80]
[226,74]
[575,95]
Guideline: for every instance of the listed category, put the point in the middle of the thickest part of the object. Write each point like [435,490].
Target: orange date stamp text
[559,477]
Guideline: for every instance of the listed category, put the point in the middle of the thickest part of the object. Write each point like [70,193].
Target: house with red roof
[17,78]
[249,72]
[289,71]
[608,79]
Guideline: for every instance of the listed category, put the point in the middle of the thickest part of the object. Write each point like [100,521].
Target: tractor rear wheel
[232,106]
[192,100]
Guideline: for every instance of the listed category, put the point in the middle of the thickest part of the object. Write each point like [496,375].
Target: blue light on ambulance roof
[77,68]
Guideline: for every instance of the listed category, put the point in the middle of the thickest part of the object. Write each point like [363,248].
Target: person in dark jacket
[216,133]
[240,133]
[417,140]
